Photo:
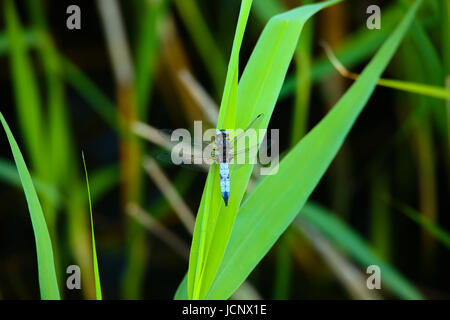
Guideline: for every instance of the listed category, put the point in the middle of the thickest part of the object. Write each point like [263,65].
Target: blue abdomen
[225,181]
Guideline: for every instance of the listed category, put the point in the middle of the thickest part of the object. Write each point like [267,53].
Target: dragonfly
[228,153]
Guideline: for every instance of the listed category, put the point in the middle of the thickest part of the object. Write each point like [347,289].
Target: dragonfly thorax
[222,152]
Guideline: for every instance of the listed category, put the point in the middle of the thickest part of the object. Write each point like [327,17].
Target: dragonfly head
[222,134]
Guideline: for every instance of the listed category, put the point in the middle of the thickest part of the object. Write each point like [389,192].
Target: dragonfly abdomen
[225,181]
[223,158]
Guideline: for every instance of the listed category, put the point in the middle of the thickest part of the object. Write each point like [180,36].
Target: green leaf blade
[257,93]
[26,91]
[207,216]
[264,216]
[98,287]
[46,266]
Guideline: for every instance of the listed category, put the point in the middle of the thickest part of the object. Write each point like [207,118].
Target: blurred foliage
[63,93]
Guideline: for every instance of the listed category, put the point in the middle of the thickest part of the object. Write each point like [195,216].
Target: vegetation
[364,162]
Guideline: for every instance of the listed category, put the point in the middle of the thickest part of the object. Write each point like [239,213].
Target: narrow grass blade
[423,145]
[30,112]
[303,57]
[344,237]
[26,91]
[97,99]
[203,40]
[283,269]
[98,288]
[360,46]
[57,131]
[147,50]
[131,188]
[228,104]
[28,37]
[352,278]
[418,88]
[447,107]
[446,37]
[46,265]
[412,87]
[63,172]
[440,234]
[103,180]
[445,52]
[381,230]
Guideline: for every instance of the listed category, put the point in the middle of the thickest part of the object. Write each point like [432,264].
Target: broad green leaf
[181,293]
[46,265]
[257,93]
[265,215]
[98,287]
[266,9]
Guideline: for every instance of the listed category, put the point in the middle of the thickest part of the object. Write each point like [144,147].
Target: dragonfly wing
[253,125]
[265,145]
[251,154]
[248,140]
[195,161]
[194,143]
